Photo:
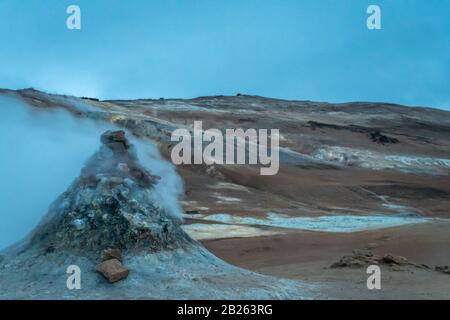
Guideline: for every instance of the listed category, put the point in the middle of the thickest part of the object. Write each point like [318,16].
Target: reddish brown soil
[309,255]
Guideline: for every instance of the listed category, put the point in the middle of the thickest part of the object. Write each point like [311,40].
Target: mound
[110,205]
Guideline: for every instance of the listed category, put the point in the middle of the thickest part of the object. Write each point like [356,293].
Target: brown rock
[444,269]
[143,178]
[390,259]
[352,262]
[115,140]
[113,270]
[361,258]
[111,253]
[137,174]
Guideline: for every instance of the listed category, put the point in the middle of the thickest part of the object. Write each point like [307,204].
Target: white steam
[170,188]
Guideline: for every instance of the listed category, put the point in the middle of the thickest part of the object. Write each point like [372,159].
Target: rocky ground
[109,225]
[314,256]
[353,160]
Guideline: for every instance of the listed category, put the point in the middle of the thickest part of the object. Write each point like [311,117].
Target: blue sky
[292,49]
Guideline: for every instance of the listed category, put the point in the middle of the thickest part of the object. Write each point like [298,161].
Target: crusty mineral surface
[108,214]
[109,206]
